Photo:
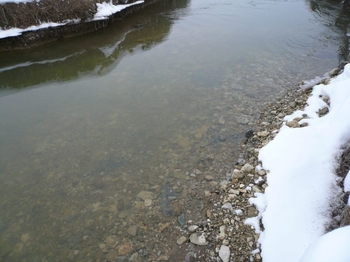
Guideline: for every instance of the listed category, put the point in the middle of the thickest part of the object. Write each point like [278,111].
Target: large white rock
[224,253]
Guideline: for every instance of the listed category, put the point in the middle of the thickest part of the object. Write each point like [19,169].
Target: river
[110,139]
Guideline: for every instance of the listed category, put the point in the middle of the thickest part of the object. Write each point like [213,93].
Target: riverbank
[234,224]
[47,22]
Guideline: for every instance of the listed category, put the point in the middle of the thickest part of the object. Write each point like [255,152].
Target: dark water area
[152,104]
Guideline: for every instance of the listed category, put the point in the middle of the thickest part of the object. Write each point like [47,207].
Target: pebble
[181,219]
[181,240]
[112,255]
[247,168]
[209,177]
[292,124]
[124,249]
[198,172]
[25,238]
[263,134]
[146,195]
[198,239]
[237,174]
[111,240]
[224,253]
[192,228]
[132,230]
[227,206]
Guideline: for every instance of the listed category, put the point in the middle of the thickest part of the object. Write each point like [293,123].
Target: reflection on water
[108,155]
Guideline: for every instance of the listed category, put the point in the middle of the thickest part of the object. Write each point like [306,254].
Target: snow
[104,10]
[18,31]
[16,1]
[333,246]
[302,187]
[347,183]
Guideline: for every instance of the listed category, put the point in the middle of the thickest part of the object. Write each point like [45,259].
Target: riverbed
[110,140]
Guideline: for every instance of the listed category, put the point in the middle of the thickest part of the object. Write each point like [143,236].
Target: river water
[158,103]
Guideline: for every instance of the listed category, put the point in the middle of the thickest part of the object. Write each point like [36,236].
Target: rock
[112,255]
[124,249]
[181,219]
[163,258]
[192,228]
[132,230]
[222,233]
[252,212]
[148,202]
[243,119]
[209,177]
[292,124]
[224,253]
[103,248]
[247,168]
[181,240]
[177,208]
[221,137]
[198,172]
[111,240]
[25,238]
[162,226]
[323,111]
[227,206]
[237,174]
[213,183]
[135,258]
[198,239]
[263,134]
[334,72]
[146,195]
[292,104]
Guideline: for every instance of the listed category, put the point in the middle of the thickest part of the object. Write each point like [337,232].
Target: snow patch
[301,180]
[18,31]
[104,10]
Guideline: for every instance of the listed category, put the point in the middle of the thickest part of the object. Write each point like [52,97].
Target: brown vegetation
[23,15]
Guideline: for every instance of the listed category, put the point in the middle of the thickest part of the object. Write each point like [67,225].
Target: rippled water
[153,103]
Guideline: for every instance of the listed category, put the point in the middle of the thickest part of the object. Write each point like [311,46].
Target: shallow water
[152,103]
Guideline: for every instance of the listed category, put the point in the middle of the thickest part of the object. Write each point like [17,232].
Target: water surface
[153,103]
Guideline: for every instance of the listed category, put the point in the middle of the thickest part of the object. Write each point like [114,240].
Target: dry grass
[33,13]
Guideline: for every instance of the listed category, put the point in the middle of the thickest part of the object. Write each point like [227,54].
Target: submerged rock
[198,239]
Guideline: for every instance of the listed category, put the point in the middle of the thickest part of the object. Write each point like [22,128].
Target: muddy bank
[27,15]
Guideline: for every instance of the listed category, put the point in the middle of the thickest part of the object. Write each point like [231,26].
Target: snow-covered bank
[302,185]
[104,11]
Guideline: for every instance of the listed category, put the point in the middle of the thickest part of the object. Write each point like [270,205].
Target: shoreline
[231,232]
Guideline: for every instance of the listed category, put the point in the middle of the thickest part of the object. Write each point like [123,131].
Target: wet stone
[124,249]
[111,240]
[146,195]
[132,230]
[112,255]
[209,177]
[198,239]
[181,240]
